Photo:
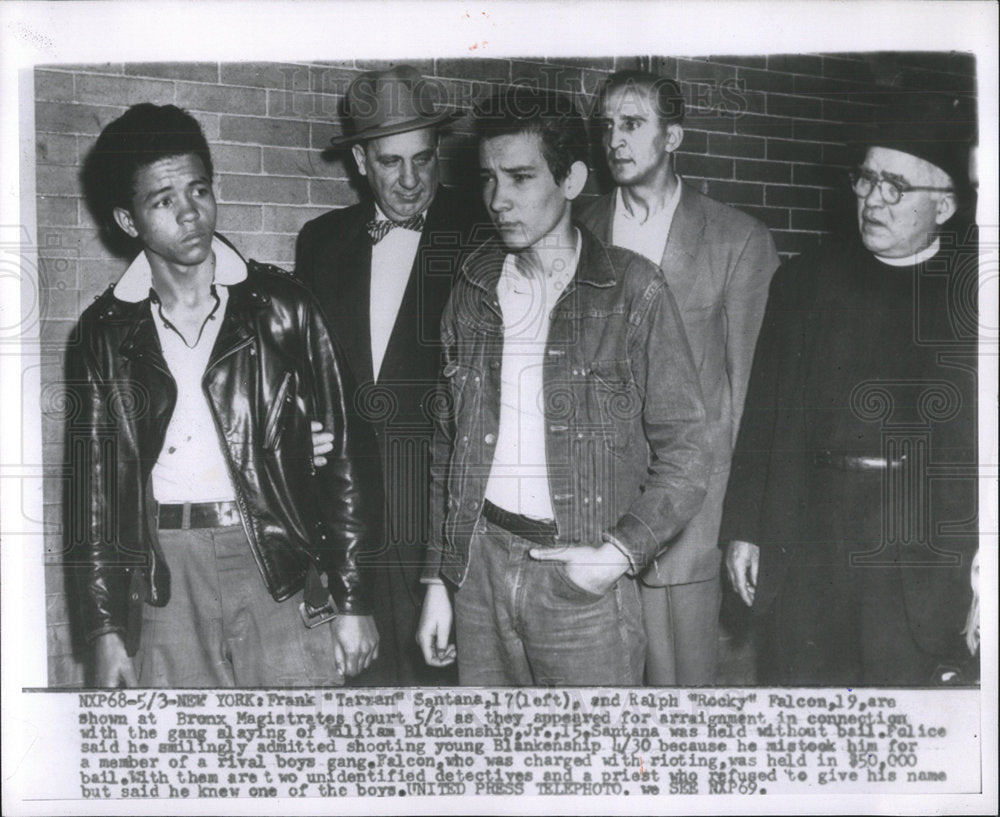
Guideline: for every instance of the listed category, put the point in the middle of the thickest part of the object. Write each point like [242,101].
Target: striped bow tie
[380,229]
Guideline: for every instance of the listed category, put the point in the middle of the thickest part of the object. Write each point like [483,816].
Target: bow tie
[380,229]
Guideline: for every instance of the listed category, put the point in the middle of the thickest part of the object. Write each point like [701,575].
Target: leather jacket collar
[130,304]
[137,280]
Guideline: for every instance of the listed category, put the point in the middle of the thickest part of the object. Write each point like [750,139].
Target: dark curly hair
[143,135]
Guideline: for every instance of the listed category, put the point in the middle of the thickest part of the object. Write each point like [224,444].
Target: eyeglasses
[864,181]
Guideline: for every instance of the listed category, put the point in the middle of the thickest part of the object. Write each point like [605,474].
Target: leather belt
[534,530]
[851,462]
[184,515]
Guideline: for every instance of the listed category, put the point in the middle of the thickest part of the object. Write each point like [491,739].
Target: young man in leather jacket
[198,526]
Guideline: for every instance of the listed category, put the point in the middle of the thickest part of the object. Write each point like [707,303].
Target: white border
[46,33]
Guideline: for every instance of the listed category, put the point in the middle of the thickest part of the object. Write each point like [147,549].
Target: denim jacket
[625,430]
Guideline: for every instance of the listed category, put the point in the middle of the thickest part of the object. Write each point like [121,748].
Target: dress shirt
[392,262]
[649,237]
[519,476]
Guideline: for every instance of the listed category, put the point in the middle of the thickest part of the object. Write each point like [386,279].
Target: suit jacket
[333,256]
[718,263]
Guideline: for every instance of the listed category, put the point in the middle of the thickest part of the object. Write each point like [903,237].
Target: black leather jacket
[272,370]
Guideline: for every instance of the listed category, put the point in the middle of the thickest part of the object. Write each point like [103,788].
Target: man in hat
[382,270]
[851,507]
[718,263]
[573,446]
[197,528]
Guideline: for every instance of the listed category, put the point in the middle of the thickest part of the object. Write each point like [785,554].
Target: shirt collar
[134,285]
[916,258]
[380,216]
[666,214]
[559,280]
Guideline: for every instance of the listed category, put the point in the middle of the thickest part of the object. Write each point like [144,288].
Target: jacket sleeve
[673,418]
[745,300]
[756,441]
[304,263]
[441,448]
[92,554]
[350,490]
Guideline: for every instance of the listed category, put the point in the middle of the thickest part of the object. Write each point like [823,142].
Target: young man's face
[524,200]
[635,141]
[402,171]
[173,210]
[908,226]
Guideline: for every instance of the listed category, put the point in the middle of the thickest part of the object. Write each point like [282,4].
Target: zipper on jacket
[272,427]
[234,476]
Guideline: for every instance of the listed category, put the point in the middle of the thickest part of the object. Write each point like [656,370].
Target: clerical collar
[916,258]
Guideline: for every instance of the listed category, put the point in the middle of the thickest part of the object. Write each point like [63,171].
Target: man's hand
[592,569]
[742,563]
[434,629]
[355,643]
[322,443]
[112,666]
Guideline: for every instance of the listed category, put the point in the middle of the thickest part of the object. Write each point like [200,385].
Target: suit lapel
[685,236]
[356,261]
[424,297]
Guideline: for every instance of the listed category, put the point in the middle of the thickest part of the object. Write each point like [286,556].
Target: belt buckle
[313,617]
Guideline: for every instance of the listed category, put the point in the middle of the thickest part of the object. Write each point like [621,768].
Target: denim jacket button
[489,439]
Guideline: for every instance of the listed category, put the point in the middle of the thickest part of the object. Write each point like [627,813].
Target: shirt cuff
[609,539]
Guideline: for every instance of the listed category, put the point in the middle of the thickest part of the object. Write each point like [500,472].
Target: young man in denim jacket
[571,444]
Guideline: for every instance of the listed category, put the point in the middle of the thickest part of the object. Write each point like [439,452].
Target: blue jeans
[521,622]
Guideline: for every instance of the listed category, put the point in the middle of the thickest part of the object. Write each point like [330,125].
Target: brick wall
[763,133]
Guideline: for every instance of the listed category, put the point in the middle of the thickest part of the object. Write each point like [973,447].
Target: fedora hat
[384,103]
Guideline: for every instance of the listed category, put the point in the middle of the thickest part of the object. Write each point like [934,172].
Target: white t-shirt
[519,478]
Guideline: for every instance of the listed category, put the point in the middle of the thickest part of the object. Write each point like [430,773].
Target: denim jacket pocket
[616,399]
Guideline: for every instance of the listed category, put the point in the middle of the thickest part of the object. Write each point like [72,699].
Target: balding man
[382,270]
[718,263]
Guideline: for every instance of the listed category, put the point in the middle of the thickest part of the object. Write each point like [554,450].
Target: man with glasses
[851,507]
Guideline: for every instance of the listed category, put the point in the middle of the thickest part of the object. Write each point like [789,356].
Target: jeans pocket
[564,587]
